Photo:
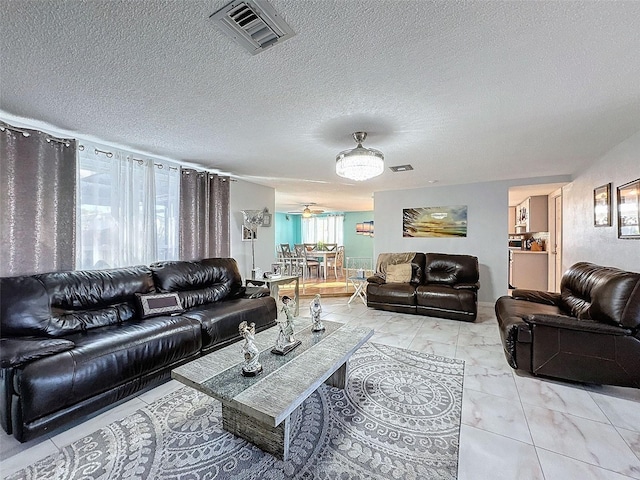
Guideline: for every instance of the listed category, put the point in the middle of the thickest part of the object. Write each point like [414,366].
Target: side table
[359,283]
[273,283]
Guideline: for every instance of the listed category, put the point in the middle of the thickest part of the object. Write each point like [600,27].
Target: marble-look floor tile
[402,326]
[559,467]
[336,317]
[483,356]
[370,322]
[392,339]
[425,345]
[488,329]
[487,456]
[489,380]
[620,412]
[27,457]
[559,396]
[495,414]
[91,425]
[632,438]
[466,339]
[586,440]
[627,393]
[441,332]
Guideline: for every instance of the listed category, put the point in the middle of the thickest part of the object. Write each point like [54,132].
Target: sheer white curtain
[127,209]
[327,229]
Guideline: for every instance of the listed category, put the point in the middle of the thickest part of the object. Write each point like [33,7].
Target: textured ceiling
[464,91]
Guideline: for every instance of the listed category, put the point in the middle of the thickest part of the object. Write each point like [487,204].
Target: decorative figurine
[316,310]
[286,341]
[251,366]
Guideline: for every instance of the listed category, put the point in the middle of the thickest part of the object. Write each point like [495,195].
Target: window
[127,209]
[326,229]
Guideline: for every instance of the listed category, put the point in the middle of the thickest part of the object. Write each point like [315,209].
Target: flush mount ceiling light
[360,163]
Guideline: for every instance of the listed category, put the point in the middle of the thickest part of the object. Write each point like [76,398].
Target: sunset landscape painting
[448,221]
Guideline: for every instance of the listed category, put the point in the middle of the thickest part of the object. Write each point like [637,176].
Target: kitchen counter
[528,269]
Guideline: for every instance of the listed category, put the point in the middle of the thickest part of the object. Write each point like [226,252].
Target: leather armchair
[588,333]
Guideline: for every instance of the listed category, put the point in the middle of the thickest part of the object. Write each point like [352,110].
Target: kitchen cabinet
[529,270]
[532,215]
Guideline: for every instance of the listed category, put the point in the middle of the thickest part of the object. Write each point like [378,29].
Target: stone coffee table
[259,408]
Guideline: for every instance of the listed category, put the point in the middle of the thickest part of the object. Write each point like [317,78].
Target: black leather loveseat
[589,332]
[434,284]
[74,342]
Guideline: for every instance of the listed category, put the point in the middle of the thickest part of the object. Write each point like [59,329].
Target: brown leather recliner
[441,285]
[590,332]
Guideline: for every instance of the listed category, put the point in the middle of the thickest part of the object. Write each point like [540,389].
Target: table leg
[339,377]
[297,297]
[273,440]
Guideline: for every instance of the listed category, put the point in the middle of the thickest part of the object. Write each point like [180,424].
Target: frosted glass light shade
[360,163]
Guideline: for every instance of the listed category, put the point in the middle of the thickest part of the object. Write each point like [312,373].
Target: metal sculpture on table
[316,310]
[252,366]
[286,340]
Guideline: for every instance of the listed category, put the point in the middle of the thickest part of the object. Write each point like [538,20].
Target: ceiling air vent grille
[253,24]
[401,168]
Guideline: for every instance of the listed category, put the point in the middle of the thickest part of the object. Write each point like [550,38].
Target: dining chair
[285,249]
[330,247]
[306,260]
[337,261]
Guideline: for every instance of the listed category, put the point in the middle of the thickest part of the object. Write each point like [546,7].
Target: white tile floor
[513,427]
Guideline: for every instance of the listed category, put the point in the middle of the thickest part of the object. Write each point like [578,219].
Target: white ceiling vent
[253,24]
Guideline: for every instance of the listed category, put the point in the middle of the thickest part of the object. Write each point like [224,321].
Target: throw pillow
[400,273]
[154,304]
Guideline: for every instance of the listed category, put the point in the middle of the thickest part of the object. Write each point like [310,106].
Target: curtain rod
[27,133]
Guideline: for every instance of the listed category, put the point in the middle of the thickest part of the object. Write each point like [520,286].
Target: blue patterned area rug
[398,418]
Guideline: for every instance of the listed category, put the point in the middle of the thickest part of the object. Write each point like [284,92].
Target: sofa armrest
[537,296]
[467,286]
[376,279]
[572,323]
[18,351]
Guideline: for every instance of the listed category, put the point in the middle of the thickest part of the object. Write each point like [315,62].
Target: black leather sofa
[75,342]
[589,332]
[440,285]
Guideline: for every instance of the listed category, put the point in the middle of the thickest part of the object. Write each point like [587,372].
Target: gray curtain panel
[204,215]
[37,197]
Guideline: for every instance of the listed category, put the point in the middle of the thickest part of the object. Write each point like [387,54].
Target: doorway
[555,238]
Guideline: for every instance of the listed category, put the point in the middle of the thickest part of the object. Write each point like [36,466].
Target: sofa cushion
[392,294]
[446,299]
[399,273]
[102,359]
[220,320]
[201,282]
[449,269]
[605,294]
[16,351]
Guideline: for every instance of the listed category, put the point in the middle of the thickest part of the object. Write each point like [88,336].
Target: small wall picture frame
[629,210]
[602,206]
[247,233]
[266,220]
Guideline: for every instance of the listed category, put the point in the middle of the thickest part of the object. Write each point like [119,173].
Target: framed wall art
[602,206]
[448,221]
[247,233]
[629,210]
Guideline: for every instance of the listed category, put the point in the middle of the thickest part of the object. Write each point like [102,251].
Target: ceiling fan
[308,212]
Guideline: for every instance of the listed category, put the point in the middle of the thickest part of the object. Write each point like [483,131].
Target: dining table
[323,256]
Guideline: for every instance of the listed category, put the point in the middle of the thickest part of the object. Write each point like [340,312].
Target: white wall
[581,240]
[249,196]
[487,226]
